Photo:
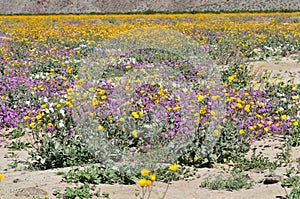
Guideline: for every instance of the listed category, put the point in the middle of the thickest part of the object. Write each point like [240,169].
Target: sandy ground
[20,183]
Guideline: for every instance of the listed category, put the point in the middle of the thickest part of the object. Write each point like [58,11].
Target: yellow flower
[38,117]
[295,123]
[69,90]
[247,108]
[1,176]
[32,125]
[251,128]
[100,91]
[173,167]
[199,97]
[95,101]
[283,117]
[176,108]
[152,177]
[141,113]
[215,97]
[44,106]
[128,67]
[145,172]
[134,134]
[216,133]
[231,78]
[26,117]
[142,182]
[100,128]
[241,131]
[135,115]
[148,183]
[103,97]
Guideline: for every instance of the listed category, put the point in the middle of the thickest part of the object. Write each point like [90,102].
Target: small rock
[16,180]
[272,180]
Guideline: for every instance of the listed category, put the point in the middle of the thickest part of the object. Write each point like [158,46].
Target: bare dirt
[20,183]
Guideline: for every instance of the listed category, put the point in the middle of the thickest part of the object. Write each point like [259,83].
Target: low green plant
[256,161]
[60,151]
[292,180]
[219,182]
[16,133]
[19,145]
[84,191]
[99,174]
[295,193]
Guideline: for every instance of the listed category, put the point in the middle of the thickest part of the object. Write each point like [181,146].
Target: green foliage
[60,151]
[219,182]
[99,174]
[16,133]
[257,161]
[19,145]
[84,191]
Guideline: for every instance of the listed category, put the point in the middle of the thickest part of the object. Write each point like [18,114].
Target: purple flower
[69,135]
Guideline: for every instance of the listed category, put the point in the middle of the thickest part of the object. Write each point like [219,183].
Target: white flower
[62,112]
[61,124]
[45,100]
[283,99]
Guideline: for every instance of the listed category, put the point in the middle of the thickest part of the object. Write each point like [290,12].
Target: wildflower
[94,101]
[142,182]
[241,131]
[32,125]
[135,115]
[247,108]
[295,123]
[176,108]
[38,117]
[152,177]
[199,97]
[148,183]
[1,176]
[173,167]
[100,128]
[134,134]
[216,133]
[145,172]
[61,124]
[231,78]
[215,97]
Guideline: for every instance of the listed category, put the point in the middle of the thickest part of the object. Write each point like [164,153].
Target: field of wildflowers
[96,88]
